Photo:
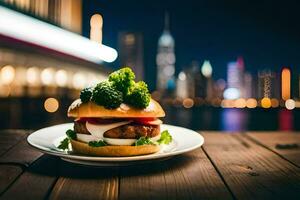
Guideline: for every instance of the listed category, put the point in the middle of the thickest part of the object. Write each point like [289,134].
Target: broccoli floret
[123,79]
[105,94]
[139,96]
[86,94]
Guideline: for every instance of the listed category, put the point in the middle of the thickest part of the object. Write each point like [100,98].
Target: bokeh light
[188,103]
[231,93]
[79,81]
[240,103]
[96,23]
[47,76]
[61,78]
[51,105]
[290,104]
[8,74]
[274,103]
[286,84]
[32,75]
[206,69]
[227,103]
[251,103]
[266,103]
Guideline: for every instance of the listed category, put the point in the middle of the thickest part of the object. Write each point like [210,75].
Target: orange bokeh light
[286,84]
[188,103]
[240,103]
[274,103]
[266,103]
[251,103]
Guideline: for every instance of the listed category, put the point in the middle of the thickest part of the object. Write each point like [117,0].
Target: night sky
[266,33]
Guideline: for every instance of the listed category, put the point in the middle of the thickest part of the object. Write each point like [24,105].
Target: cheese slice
[98,130]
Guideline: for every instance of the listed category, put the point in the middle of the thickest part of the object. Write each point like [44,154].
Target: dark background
[266,33]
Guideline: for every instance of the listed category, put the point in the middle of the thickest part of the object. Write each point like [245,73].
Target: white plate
[47,140]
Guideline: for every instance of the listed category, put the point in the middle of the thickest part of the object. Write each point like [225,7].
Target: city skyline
[215,31]
[36,79]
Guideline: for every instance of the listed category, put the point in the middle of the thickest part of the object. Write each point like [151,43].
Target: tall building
[235,79]
[182,86]
[248,83]
[192,83]
[131,52]
[43,64]
[266,84]
[206,71]
[63,13]
[165,59]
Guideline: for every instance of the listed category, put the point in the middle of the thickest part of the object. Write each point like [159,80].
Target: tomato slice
[97,120]
[143,121]
[148,121]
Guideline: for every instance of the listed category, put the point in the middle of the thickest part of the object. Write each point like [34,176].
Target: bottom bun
[114,151]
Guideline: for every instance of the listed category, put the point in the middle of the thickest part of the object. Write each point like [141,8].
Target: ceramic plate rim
[115,159]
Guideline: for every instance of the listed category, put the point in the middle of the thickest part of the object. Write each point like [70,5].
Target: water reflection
[231,119]
[234,120]
[286,120]
[29,113]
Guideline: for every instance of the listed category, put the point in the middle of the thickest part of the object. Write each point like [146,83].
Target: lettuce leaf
[143,141]
[99,143]
[165,138]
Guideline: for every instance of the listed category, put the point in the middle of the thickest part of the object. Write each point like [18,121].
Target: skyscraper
[165,59]
[235,79]
[248,85]
[267,84]
[131,52]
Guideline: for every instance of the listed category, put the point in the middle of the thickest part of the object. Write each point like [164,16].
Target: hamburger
[117,117]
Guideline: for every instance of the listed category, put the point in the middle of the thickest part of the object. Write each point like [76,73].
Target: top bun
[90,109]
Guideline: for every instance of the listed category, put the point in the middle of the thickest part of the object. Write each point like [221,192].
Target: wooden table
[228,166]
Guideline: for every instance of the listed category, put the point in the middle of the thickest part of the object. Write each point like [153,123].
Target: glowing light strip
[25,28]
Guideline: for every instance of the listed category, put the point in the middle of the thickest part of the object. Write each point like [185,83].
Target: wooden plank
[250,170]
[21,153]
[9,138]
[190,176]
[82,182]
[8,173]
[272,139]
[36,182]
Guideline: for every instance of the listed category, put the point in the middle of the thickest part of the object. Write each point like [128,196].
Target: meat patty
[133,131]
[129,131]
[79,127]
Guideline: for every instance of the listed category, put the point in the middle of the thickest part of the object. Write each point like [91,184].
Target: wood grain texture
[8,173]
[9,138]
[271,139]
[191,176]
[36,182]
[82,182]
[250,170]
[21,153]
